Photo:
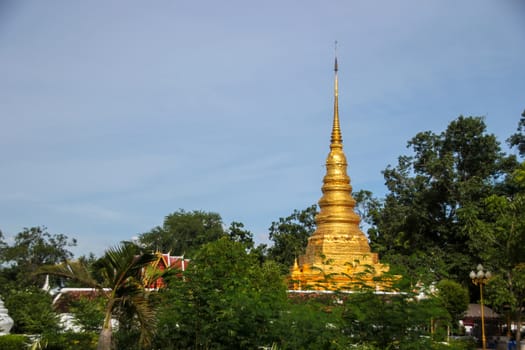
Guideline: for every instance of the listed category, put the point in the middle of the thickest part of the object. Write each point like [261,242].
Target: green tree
[118,275]
[184,232]
[390,321]
[418,224]
[290,236]
[224,300]
[88,312]
[311,323]
[506,292]
[3,244]
[518,139]
[454,298]
[32,311]
[237,233]
[32,248]
[28,305]
[496,231]
[366,206]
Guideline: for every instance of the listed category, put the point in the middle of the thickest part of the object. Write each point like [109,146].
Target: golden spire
[336,129]
[337,204]
[337,235]
[338,248]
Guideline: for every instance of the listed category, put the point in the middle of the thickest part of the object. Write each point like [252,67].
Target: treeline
[455,201]
[227,298]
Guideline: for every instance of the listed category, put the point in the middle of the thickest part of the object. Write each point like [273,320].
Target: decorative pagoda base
[359,272]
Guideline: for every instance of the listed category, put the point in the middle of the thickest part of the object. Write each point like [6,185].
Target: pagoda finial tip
[335,55]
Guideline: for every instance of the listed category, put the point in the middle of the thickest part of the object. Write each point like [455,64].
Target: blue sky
[117,113]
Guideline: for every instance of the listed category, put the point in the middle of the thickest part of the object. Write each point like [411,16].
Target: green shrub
[13,342]
[462,344]
[70,341]
[31,311]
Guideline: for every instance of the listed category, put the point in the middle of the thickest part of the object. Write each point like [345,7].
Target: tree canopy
[225,300]
[182,233]
[454,298]
[496,230]
[518,139]
[290,236]
[457,201]
[418,224]
[31,248]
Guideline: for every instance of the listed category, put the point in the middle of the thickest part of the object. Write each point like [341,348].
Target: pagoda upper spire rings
[337,139]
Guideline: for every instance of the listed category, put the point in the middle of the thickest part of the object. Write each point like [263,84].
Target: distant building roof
[167,261]
[474,311]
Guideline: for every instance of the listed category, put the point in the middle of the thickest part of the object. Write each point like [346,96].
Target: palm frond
[146,316]
[122,262]
[73,270]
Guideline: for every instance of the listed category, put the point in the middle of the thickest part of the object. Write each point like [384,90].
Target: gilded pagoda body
[338,256]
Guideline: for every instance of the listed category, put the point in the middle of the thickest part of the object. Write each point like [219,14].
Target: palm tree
[118,276]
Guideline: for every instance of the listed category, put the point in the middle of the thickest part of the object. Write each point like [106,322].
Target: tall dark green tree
[496,231]
[290,236]
[418,225]
[518,139]
[237,233]
[31,248]
[182,233]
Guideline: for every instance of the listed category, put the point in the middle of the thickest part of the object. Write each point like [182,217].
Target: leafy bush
[226,300]
[461,344]
[13,342]
[88,312]
[31,311]
[70,341]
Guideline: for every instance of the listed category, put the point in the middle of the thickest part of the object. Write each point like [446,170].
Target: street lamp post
[480,278]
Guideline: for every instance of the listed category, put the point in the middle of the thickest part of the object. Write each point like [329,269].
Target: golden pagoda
[338,256]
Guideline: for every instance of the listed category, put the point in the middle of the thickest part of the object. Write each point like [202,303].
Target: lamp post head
[480,267]
[472,274]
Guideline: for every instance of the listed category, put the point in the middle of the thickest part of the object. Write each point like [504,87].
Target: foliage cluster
[32,311]
[227,299]
[455,202]
[14,342]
